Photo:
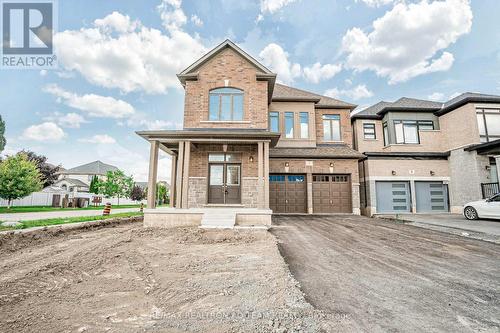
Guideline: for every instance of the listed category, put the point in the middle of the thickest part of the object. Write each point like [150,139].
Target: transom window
[221,157]
[369,131]
[226,104]
[331,127]
[407,130]
[274,121]
[488,121]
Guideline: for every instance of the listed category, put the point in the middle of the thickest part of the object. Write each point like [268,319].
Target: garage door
[332,194]
[431,197]
[393,197]
[287,193]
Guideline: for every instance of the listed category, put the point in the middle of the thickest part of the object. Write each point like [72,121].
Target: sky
[117,61]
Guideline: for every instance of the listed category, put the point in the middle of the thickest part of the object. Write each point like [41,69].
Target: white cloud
[318,72]
[93,105]
[43,72]
[196,20]
[437,96]
[172,15]
[358,92]
[272,6]
[153,125]
[119,53]
[47,131]
[376,3]
[99,139]
[452,96]
[276,59]
[406,41]
[70,120]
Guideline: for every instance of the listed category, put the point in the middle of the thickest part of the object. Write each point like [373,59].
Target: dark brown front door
[332,194]
[287,193]
[224,183]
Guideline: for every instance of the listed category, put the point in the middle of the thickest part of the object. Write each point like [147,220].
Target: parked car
[487,208]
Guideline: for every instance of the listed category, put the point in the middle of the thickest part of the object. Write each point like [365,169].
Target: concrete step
[218,220]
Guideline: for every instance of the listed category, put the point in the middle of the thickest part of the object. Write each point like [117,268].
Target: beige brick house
[428,157]
[251,147]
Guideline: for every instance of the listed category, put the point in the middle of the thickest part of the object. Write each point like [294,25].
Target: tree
[49,172]
[161,193]
[3,142]
[94,185]
[19,177]
[137,193]
[117,184]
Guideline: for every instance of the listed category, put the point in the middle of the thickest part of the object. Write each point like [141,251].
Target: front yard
[33,209]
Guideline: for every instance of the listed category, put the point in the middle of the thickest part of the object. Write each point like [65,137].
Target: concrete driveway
[59,213]
[454,223]
[373,275]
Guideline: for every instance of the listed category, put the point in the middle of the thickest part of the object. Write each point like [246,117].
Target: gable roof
[283,93]
[92,168]
[72,181]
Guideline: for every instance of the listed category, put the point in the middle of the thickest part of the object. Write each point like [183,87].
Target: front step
[218,219]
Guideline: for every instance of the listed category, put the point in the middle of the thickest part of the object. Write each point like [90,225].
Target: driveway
[373,275]
[454,223]
[59,213]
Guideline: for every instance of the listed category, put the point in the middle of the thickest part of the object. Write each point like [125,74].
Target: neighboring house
[423,156]
[251,143]
[78,179]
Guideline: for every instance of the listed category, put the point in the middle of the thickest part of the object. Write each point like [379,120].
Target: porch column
[266,175]
[497,161]
[260,175]
[180,168]
[185,174]
[173,180]
[153,172]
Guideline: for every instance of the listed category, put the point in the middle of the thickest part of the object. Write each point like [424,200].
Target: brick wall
[239,73]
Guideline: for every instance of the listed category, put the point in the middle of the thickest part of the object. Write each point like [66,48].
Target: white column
[173,180]
[180,168]
[153,172]
[266,175]
[260,174]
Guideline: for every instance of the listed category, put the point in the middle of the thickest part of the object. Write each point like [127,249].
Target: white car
[487,208]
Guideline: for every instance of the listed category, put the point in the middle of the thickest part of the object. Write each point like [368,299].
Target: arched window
[226,104]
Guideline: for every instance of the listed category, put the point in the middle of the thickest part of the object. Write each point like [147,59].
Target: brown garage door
[332,194]
[287,193]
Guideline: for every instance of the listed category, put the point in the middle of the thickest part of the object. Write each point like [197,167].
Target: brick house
[428,157]
[250,147]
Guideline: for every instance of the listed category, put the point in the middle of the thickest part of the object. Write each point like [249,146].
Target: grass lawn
[33,209]
[47,222]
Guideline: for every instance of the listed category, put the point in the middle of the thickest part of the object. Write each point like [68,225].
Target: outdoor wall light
[287,164]
[331,164]
[432,173]
[251,159]
[487,168]
[393,172]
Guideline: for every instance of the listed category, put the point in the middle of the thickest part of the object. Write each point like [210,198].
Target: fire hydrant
[107,209]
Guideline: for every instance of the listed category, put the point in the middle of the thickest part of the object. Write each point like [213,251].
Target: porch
[490,151]
[217,177]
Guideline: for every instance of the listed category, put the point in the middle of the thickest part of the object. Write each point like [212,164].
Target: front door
[224,183]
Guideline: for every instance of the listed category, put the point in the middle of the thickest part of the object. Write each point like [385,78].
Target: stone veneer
[197,197]
[249,192]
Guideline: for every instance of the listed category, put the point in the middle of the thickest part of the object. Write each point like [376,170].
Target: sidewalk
[58,214]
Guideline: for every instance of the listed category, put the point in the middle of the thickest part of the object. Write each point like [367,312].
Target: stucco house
[78,179]
[250,147]
[423,156]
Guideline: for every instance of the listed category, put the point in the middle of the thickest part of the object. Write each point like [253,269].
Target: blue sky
[118,60]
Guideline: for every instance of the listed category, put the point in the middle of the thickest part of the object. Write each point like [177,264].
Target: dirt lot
[388,277]
[129,279]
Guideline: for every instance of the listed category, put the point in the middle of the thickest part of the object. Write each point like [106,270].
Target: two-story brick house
[253,147]
[423,156]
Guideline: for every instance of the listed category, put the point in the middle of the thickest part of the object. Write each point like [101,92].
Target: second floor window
[369,131]
[407,130]
[226,104]
[274,121]
[386,134]
[331,127]
[304,125]
[289,124]
[488,121]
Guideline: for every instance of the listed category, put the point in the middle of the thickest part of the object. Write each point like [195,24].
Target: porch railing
[490,189]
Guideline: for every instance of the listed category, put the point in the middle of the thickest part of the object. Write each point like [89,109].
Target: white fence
[45,199]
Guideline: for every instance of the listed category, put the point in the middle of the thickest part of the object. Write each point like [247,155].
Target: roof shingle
[285,93]
[321,151]
[92,168]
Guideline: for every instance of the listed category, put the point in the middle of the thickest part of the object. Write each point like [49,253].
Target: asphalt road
[377,276]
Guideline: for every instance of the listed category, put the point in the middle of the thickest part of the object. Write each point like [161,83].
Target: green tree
[48,171]
[117,184]
[161,193]
[2,134]
[19,177]
[94,185]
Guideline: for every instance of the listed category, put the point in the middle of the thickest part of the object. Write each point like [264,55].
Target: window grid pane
[289,125]
[304,125]
[226,104]
[274,122]
[369,131]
